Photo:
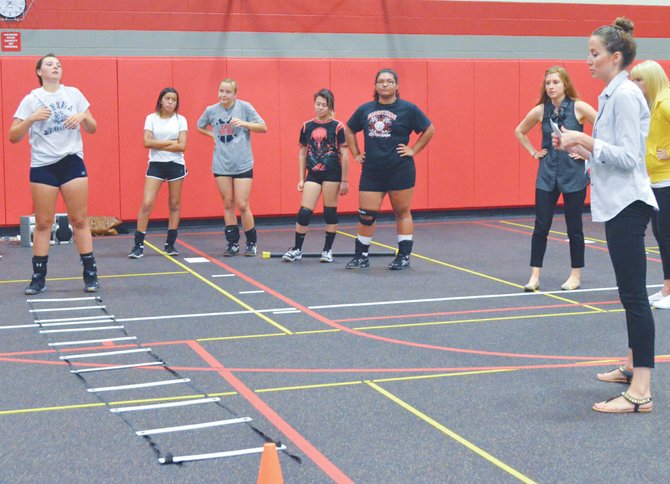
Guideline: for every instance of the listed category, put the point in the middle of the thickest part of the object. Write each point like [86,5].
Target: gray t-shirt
[232,146]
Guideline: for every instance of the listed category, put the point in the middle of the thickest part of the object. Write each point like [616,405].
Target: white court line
[118,367]
[223,275]
[105,353]
[250,292]
[196,260]
[77,330]
[335,306]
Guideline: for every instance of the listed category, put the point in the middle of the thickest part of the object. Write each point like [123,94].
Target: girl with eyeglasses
[388,164]
[558,172]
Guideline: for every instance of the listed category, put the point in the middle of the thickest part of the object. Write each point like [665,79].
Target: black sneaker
[170,250]
[91,283]
[400,262]
[137,252]
[359,262]
[37,285]
[252,250]
[231,250]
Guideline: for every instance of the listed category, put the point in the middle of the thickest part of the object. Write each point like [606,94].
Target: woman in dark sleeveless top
[558,172]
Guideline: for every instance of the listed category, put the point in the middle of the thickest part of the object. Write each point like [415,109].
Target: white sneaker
[292,255]
[326,256]
[657,296]
[662,303]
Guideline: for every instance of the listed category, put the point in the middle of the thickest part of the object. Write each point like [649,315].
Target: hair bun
[625,24]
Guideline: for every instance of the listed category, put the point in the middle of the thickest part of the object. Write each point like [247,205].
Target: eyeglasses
[385,82]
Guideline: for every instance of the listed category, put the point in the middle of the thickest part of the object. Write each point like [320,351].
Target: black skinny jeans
[625,241]
[545,204]
[660,225]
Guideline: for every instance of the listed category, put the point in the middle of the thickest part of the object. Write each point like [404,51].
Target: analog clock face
[12,9]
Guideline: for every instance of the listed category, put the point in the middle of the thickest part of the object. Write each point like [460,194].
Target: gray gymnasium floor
[445,372]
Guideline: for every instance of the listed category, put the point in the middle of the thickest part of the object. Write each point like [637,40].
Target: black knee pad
[330,215]
[304,216]
[232,234]
[367,217]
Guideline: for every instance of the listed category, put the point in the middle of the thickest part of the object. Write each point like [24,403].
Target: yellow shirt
[659,137]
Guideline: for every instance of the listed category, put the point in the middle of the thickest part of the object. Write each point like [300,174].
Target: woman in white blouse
[621,196]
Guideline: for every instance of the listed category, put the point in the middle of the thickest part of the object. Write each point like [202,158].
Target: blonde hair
[230,81]
[654,77]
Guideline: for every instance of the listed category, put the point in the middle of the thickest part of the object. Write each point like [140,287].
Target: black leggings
[545,204]
[660,225]
[625,241]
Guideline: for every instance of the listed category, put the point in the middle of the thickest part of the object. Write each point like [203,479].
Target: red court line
[361,334]
[303,444]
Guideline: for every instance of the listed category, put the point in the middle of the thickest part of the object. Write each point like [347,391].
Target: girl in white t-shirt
[53,115]
[165,135]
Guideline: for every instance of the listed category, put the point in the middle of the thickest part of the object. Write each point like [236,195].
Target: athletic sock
[330,237]
[171,237]
[361,248]
[40,264]
[251,235]
[88,261]
[139,237]
[299,239]
[232,234]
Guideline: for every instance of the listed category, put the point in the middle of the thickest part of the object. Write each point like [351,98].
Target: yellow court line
[478,274]
[526,226]
[478,320]
[228,394]
[246,336]
[117,403]
[222,291]
[111,276]
[469,445]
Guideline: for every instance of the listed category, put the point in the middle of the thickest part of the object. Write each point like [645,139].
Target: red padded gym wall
[3,181]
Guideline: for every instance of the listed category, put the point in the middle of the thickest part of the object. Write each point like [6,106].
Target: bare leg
[75,195]
[174,202]
[151,187]
[44,202]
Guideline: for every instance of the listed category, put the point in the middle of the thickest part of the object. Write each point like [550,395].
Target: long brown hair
[570,90]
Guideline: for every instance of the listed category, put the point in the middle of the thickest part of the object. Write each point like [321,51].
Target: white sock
[402,237]
[364,240]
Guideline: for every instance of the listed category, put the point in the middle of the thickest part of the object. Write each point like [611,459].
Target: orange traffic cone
[270,470]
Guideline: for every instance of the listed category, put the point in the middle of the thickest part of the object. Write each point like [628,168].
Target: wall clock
[12,9]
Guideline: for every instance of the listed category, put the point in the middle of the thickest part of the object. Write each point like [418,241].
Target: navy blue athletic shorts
[166,170]
[59,173]
[401,177]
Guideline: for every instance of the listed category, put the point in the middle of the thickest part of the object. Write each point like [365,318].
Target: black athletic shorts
[324,176]
[166,170]
[246,174]
[400,177]
[59,173]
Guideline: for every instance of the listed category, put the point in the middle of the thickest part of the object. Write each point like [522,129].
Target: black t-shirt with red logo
[323,141]
[385,126]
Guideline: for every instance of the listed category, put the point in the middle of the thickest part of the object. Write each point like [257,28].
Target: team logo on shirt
[60,111]
[321,152]
[226,131]
[379,123]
